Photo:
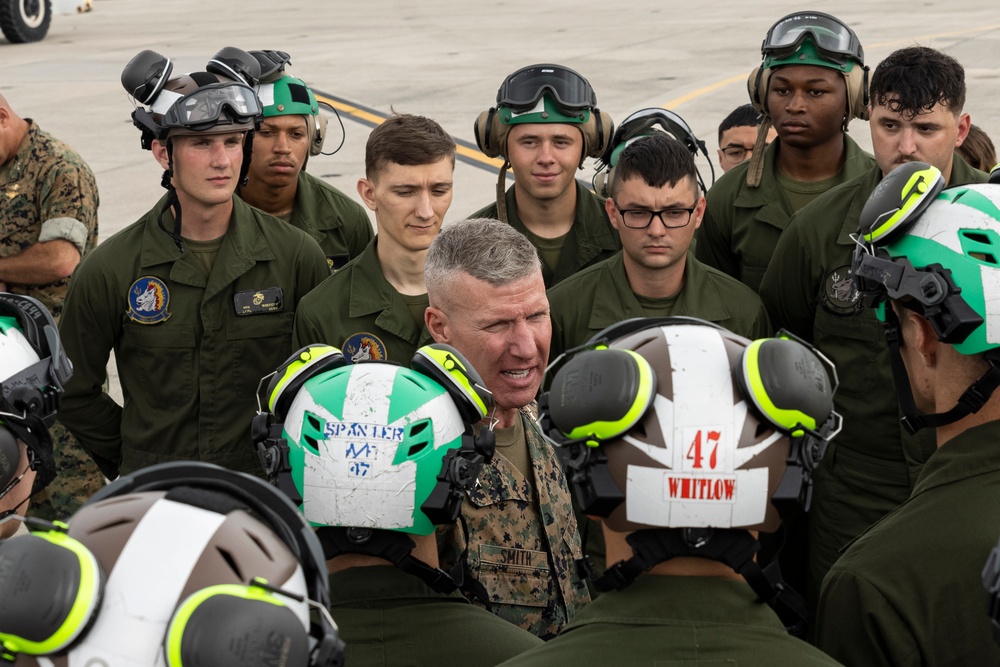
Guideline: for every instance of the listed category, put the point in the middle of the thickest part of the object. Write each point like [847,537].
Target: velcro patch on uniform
[148,298]
[512,559]
[257,302]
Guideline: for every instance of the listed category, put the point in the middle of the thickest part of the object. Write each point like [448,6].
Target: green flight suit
[870,467]
[190,349]
[358,311]
[908,591]
[600,296]
[667,621]
[336,222]
[591,239]
[389,618]
[522,538]
[742,224]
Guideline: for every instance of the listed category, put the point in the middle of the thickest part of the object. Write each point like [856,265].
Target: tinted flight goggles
[830,35]
[203,108]
[524,88]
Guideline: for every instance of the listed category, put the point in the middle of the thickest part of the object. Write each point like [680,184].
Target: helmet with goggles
[935,251]
[644,123]
[33,371]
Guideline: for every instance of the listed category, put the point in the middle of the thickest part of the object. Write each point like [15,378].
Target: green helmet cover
[549,113]
[287,96]
[960,230]
[367,442]
[806,54]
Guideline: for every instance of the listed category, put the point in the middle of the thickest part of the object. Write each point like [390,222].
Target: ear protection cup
[597,133]
[10,456]
[898,201]
[317,133]
[786,385]
[757,89]
[297,369]
[222,626]
[51,587]
[600,394]
[490,133]
[451,370]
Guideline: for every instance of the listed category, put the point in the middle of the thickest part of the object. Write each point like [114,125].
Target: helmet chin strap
[970,402]
[172,203]
[733,547]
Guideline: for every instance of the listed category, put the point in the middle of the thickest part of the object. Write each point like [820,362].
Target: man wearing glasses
[656,206]
[545,124]
[812,81]
[737,135]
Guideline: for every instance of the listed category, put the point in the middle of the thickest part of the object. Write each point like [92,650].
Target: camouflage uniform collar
[13,169]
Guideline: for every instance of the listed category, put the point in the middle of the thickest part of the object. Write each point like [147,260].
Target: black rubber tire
[25,20]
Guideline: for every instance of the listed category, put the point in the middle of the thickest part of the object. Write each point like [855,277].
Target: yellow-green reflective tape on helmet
[83,605]
[457,372]
[915,188]
[793,421]
[306,357]
[608,430]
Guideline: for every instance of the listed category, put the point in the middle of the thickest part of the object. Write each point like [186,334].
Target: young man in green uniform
[293,130]
[487,299]
[908,591]
[917,95]
[545,124]
[683,468]
[655,205]
[810,85]
[196,299]
[378,455]
[48,213]
[373,309]
[738,134]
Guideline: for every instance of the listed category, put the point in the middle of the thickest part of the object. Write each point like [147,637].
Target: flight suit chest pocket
[258,344]
[159,360]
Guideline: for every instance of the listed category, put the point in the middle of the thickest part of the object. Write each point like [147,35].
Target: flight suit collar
[306,214]
[969,454]
[615,301]
[372,293]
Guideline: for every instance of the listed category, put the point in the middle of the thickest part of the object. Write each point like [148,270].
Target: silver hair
[486,249]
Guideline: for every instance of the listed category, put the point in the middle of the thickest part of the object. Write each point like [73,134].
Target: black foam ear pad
[237,626]
[307,363]
[10,457]
[453,371]
[51,587]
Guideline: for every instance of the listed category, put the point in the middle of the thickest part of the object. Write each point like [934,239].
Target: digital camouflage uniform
[389,618]
[667,621]
[358,311]
[49,194]
[742,224]
[523,547]
[336,222]
[590,239]
[908,591]
[808,289]
[190,349]
[600,296]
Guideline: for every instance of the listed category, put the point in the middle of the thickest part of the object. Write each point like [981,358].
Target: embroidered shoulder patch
[840,296]
[148,298]
[364,347]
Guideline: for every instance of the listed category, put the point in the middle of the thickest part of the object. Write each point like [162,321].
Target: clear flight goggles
[832,38]
[203,108]
[524,88]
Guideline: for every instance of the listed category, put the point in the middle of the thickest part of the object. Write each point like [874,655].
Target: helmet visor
[832,38]
[522,89]
[202,109]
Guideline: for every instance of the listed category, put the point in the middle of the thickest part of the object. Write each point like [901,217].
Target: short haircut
[486,249]
[658,159]
[742,116]
[407,140]
[912,80]
[978,150]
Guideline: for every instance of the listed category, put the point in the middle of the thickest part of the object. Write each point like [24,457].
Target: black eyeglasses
[736,153]
[640,218]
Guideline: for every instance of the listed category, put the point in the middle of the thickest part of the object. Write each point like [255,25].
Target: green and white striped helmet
[367,443]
